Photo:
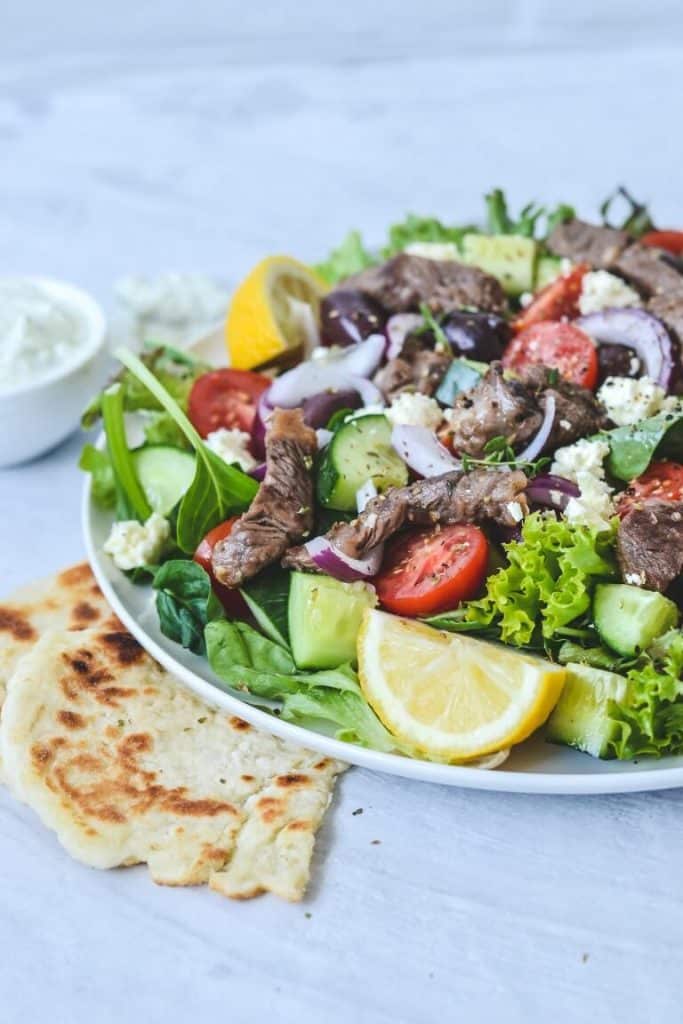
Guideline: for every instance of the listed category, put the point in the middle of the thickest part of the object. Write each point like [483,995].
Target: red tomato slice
[562,346]
[225,398]
[232,600]
[429,571]
[558,300]
[662,480]
[672,241]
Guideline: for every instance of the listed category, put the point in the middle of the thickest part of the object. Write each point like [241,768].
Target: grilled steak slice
[588,243]
[648,270]
[484,494]
[405,281]
[577,411]
[414,370]
[650,544]
[495,407]
[282,511]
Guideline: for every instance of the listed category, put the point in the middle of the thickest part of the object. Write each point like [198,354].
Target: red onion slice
[398,327]
[538,443]
[335,563]
[551,491]
[345,371]
[364,358]
[638,330]
[420,448]
[258,472]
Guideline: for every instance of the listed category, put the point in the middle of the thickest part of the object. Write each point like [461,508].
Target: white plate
[533,767]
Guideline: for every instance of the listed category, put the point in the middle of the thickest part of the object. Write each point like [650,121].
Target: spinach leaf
[217,491]
[130,495]
[267,597]
[185,603]
[98,463]
[632,448]
[246,660]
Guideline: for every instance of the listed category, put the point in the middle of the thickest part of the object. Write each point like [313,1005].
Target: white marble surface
[133,143]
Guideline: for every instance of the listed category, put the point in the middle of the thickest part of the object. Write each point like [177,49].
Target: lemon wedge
[274,313]
[449,697]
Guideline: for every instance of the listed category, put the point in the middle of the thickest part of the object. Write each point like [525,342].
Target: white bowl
[36,417]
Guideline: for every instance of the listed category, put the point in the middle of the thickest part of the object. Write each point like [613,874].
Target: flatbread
[126,766]
[68,600]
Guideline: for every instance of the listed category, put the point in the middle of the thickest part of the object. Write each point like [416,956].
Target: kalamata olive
[347,316]
[480,336]
[618,361]
[318,409]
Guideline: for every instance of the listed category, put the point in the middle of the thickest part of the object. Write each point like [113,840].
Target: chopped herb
[433,325]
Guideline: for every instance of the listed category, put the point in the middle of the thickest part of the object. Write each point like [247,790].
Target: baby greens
[218,490]
[185,603]
[131,498]
[632,448]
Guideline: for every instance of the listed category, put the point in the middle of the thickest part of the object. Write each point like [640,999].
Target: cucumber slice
[581,718]
[548,270]
[324,619]
[508,257]
[628,618]
[359,451]
[164,473]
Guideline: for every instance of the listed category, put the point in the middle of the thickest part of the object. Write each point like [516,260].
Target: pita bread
[127,767]
[69,600]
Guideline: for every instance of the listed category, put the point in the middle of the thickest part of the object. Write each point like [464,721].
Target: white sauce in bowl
[41,332]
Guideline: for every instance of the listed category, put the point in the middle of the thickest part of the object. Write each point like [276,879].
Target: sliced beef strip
[669,309]
[416,369]
[648,270]
[588,243]
[281,514]
[577,411]
[483,494]
[650,544]
[405,281]
[495,407]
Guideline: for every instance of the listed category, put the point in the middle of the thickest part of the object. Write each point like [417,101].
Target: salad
[436,502]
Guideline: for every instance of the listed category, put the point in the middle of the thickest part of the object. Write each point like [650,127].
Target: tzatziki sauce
[40,332]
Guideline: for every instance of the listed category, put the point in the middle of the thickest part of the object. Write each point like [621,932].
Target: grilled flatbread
[126,766]
[69,600]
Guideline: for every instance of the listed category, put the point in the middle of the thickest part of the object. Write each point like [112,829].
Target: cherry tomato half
[662,481]
[562,346]
[558,300]
[672,241]
[232,600]
[429,571]
[225,398]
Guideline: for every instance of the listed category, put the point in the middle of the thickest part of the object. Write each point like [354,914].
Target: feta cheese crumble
[415,410]
[602,290]
[233,447]
[433,250]
[629,400]
[582,463]
[132,544]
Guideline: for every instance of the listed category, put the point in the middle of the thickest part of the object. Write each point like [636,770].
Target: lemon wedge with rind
[274,313]
[449,697]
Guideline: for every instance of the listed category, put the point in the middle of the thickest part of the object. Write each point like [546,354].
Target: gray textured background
[201,136]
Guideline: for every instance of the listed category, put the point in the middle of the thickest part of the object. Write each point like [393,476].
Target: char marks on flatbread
[127,767]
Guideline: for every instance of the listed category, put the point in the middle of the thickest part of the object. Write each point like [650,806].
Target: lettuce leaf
[652,720]
[547,583]
[633,447]
[421,229]
[350,257]
[98,464]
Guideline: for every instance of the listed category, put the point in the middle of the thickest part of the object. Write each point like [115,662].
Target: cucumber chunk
[508,257]
[324,619]
[548,270]
[359,451]
[581,717]
[461,375]
[629,618]
[165,473]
